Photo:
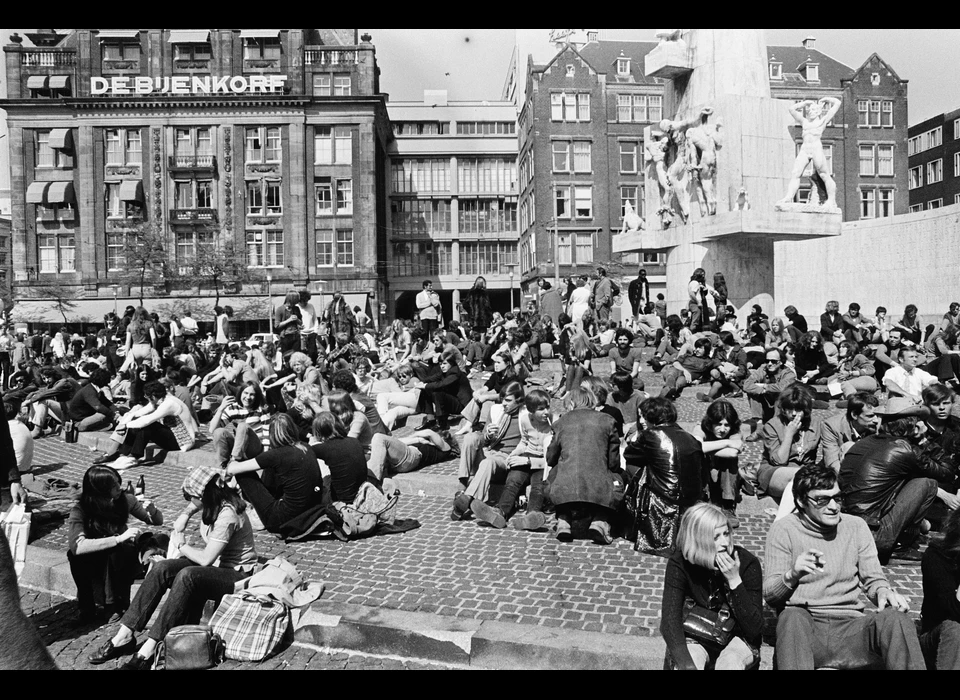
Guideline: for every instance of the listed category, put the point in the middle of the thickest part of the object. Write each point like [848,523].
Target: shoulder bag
[711,628]
[189,648]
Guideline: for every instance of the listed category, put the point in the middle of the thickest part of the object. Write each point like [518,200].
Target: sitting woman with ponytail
[192,578]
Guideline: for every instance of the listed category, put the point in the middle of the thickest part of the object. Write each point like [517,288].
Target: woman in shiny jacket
[671,461]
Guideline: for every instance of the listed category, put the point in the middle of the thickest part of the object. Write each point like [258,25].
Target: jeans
[190,587]
[806,641]
[762,406]
[136,441]
[393,406]
[852,386]
[517,480]
[105,577]
[390,454]
[238,443]
[941,646]
[913,501]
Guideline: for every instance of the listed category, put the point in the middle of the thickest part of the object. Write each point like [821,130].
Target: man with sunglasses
[762,387]
[891,479]
[817,561]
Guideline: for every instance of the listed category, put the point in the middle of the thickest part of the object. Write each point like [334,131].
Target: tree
[218,262]
[63,297]
[146,256]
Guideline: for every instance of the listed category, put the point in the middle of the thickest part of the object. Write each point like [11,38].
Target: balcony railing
[193,162]
[200,215]
[111,65]
[331,57]
[53,59]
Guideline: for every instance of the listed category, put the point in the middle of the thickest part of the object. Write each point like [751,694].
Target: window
[333,145]
[345,247]
[116,260]
[486,258]
[956,128]
[420,216]
[813,73]
[193,194]
[581,156]
[123,146]
[655,258]
[57,253]
[486,175]
[188,243]
[192,52]
[486,128]
[574,248]
[863,111]
[261,48]
[564,250]
[776,71]
[935,171]
[867,204]
[867,160]
[65,211]
[264,198]
[934,204]
[628,157]
[423,258]
[263,145]
[915,208]
[956,164]
[193,142]
[48,155]
[265,248]
[322,85]
[913,145]
[570,107]
[341,85]
[489,216]
[421,128]
[121,50]
[561,156]
[874,113]
[629,193]
[570,70]
[623,66]
[583,202]
[886,118]
[884,203]
[916,177]
[563,203]
[117,208]
[428,175]
[324,248]
[925,141]
[345,196]
[639,108]
[324,197]
[885,159]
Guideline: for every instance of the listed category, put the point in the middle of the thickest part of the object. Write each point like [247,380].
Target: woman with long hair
[478,408]
[223,315]
[141,338]
[777,336]
[718,576]
[343,463]
[719,436]
[290,482]
[578,359]
[196,575]
[240,425]
[478,305]
[790,440]
[910,325]
[940,612]
[103,558]
[811,359]
[287,321]
[341,405]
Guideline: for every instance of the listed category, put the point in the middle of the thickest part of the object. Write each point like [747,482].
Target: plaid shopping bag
[251,626]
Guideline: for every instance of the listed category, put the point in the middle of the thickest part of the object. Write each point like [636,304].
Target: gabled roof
[603,57]
[876,56]
[793,57]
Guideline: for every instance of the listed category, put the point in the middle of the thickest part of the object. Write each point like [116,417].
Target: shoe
[564,531]
[599,532]
[137,663]
[529,521]
[461,506]
[487,515]
[907,554]
[925,526]
[752,437]
[703,397]
[108,652]
[106,459]
[124,462]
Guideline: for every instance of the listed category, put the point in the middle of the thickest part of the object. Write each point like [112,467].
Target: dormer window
[592,36]
[569,70]
[776,71]
[623,66]
[813,73]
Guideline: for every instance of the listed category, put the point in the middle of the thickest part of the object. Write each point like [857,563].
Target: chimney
[810,43]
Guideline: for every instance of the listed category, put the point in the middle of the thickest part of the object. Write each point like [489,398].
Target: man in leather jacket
[891,479]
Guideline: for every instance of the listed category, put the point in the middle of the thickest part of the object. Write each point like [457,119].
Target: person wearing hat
[891,479]
[194,575]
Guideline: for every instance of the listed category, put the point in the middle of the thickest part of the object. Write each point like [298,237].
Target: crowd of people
[308,419]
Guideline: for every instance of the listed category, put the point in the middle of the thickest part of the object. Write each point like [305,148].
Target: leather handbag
[190,648]
[712,628]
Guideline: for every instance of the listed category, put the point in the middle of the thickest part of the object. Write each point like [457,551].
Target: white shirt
[912,383]
[188,325]
[22,445]
[425,301]
[308,315]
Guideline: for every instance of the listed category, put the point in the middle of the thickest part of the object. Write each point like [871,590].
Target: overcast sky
[472,63]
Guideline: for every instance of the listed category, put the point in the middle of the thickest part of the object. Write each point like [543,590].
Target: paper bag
[16,526]
[834,388]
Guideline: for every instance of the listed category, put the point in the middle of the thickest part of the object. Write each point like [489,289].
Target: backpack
[370,508]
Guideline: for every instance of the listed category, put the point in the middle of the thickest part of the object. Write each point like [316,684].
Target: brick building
[934,162]
[453,201]
[271,143]
[580,131]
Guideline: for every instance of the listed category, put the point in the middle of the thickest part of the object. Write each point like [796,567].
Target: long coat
[585,454]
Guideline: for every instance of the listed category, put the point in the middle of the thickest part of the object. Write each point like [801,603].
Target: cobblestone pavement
[462,570]
[70,645]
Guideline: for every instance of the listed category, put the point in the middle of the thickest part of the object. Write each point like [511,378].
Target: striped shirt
[257,419]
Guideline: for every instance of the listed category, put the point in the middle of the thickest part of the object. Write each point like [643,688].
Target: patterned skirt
[657,523]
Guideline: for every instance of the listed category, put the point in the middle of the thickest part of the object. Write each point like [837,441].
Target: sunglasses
[824,501]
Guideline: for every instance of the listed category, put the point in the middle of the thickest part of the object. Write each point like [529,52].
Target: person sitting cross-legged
[817,562]
[890,479]
[728,377]
[688,369]
[526,464]
[483,456]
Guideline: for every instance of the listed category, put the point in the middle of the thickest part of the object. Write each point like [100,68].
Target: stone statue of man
[813,116]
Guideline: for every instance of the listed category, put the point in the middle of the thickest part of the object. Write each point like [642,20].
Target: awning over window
[119,34]
[131,191]
[38,82]
[59,82]
[189,36]
[259,33]
[60,193]
[61,139]
[36,192]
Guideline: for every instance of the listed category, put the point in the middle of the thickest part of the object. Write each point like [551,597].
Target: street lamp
[510,268]
[270,303]
[116,289]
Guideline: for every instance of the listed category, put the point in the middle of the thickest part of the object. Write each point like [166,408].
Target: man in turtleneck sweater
[816,561]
